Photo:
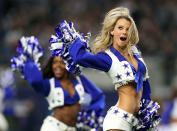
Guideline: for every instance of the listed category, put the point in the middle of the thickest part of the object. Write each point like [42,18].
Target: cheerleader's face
[58,67]
[120,33]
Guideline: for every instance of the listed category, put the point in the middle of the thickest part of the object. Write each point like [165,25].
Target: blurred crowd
[156,22]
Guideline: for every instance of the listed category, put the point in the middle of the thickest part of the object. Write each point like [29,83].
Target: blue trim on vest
[139,74]
[67,98]
[141,67]
[116,53]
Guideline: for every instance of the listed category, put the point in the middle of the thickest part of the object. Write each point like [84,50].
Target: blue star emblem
[50,121]
[126,116]
[118,76]
[133,120]
[116,111]
[125,65]
[80,89]
[128,73]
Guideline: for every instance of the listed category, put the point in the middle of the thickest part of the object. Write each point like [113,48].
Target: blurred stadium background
[156,21]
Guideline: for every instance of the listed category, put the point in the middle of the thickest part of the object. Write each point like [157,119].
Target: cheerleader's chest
[58,96]
[122,72]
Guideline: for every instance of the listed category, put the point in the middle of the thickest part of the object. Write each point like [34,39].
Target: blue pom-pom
[91,119]
[28,48]
[148,116]
[65,36]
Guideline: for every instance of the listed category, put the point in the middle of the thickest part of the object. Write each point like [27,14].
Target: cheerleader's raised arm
[76,103]
[27,63]
[116,54]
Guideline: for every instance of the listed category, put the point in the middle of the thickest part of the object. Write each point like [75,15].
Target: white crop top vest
[56,94]
[118,72]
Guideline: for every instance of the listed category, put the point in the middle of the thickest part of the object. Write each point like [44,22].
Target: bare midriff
[129,100]
[173,120]
[67,114]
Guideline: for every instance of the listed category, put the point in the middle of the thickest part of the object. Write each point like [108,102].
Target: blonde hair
[104,39]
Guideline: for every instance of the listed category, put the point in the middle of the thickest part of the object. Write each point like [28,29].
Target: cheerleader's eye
[120,27]
[62,62]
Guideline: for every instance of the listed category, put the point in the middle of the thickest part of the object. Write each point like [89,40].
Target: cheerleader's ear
[111,32]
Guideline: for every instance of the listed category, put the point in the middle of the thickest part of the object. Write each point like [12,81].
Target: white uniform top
[56,95]
[121,72]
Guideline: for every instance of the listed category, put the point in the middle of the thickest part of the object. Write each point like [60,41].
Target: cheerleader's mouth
[58,71]
[123,38]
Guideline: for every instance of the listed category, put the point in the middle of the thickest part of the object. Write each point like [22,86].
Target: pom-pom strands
[65,36]
[147,115]
[28,48]
[89,119]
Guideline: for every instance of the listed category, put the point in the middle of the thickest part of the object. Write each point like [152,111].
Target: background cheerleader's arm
[78,53]
[98,97]
[35,78]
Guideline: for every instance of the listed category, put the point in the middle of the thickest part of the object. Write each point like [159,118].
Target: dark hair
[47,69]
[48,72]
